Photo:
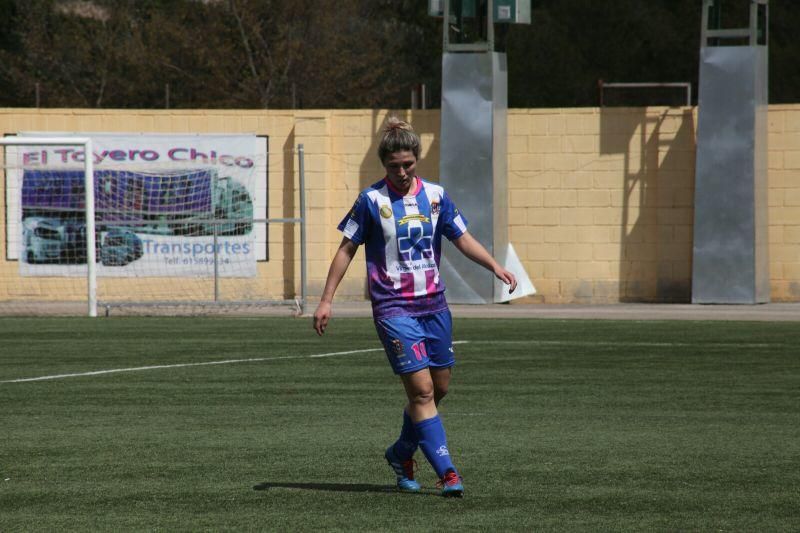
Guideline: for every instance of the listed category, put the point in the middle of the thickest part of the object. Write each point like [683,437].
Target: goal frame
[88,181]
[299,303]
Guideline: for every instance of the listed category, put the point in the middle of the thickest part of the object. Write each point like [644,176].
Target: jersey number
[419,350]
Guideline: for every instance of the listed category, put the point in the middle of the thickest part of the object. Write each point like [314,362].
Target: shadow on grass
[338,487]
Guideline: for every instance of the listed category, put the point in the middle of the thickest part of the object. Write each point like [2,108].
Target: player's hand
[321,317]
[506,277]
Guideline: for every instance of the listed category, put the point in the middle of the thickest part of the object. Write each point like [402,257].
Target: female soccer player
[401,220]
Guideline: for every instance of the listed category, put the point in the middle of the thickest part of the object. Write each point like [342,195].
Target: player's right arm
[341,261]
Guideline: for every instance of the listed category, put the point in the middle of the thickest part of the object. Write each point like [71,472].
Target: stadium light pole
[730,251]
[473,151]
[88,183]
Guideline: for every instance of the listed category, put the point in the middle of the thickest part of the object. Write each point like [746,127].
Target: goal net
[180,222]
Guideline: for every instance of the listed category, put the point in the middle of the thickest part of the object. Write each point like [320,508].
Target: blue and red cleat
[404,470]
[451,485]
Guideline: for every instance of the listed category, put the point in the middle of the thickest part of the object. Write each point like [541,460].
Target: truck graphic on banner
[119,247]
[53,240]
[189,203]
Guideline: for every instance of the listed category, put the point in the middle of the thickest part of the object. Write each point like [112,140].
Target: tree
[359,53]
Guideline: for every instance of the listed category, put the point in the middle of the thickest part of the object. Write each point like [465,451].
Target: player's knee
[423,396]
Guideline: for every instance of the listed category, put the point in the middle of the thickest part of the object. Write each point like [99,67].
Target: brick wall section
[784,202]
[601,203]
[600,199]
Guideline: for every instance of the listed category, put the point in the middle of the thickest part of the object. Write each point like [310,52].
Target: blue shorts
[416,342]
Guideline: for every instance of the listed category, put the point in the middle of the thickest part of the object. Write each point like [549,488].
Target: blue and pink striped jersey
[403,243]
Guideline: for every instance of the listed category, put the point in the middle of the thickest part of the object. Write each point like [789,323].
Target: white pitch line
[206,363]
[332,354]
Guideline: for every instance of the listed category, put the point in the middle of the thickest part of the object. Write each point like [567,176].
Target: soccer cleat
[451,485]
[404,470]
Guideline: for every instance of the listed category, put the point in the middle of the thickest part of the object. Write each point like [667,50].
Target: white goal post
[151,223]
[88,183]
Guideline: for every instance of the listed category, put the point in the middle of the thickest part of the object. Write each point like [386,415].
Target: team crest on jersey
[435,208]
[397,347]
[386,212]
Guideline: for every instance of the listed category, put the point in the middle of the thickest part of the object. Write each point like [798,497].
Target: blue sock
[408,441]
[433,442]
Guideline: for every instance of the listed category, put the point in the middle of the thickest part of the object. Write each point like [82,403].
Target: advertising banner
[165,205]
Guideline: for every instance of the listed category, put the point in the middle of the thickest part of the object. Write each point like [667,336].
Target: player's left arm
[470,247]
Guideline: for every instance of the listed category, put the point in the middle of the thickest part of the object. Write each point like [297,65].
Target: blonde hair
[396,136]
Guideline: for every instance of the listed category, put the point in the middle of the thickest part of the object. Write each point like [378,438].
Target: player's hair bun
[394,123]
[397,135]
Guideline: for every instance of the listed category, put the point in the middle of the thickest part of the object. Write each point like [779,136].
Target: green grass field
[555,425]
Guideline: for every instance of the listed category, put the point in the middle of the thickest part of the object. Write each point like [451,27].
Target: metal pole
[490,27]
[600,91]
[707,6]
[91,243]
[216,266]
[303,268]
[645,85]
[446,27]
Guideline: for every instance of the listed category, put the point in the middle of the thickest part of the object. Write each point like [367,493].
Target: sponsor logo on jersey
[442,451]
[416,244]
[386,212]
[435,208]
[408,218]
[410,204]
[397,347]
[418,267]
